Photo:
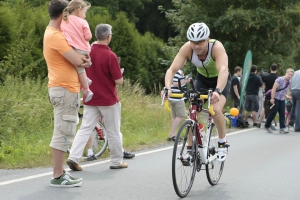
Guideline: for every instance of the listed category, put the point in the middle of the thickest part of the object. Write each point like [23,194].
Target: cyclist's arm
[177,63]
[220,56]
[182,81]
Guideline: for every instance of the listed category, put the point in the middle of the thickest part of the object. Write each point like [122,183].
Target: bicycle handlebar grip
[177,95]
[202,96]
[167,107]
[211,110]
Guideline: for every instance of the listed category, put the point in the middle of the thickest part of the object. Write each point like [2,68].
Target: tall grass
[26,121]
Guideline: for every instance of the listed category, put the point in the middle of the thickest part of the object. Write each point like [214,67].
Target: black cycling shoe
[128,155]
[91,158]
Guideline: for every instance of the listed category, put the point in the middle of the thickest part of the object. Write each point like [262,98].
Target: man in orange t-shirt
[63,91]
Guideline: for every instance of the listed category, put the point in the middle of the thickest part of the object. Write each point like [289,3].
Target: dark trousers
[295,112]
[236,102]
[280,108]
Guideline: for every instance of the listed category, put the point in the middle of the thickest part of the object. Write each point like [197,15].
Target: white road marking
[101,162]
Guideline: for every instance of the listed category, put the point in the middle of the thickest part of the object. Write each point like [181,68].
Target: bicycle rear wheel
[214,168]
[100,142]
[183,172]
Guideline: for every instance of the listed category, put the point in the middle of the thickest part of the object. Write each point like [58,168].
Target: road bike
[204,145]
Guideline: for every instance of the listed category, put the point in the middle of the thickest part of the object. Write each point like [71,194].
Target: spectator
[261,100]
[106,74]
[269,80]
[235,89]
[63,91]
[177,104]
[295,89]
[252,89]
[278,96]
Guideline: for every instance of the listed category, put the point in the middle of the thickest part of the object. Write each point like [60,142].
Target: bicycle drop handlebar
[191,94]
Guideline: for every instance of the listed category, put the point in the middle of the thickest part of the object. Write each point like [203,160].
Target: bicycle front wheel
[100,141]
[184,164]
[214,168]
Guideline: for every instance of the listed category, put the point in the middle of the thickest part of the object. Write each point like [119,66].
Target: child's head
[77,8]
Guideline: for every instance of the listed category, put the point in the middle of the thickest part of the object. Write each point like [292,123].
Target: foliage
[22,43]
[268,28]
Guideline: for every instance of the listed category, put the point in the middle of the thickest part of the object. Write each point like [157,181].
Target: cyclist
[211,60]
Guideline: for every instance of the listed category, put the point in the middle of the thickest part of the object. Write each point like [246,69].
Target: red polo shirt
[104,71]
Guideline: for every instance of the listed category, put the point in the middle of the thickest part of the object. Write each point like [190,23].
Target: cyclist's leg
[220,123]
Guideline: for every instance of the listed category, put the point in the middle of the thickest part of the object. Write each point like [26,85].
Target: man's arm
[77,59]
[177,63]
[119,81]
[236,91]
[221,58]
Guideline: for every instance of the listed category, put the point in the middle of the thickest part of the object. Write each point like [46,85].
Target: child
[78,34]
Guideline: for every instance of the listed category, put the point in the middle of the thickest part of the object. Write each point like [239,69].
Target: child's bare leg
[84,81]
[88,94]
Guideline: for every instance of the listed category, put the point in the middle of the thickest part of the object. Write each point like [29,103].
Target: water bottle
[200,133]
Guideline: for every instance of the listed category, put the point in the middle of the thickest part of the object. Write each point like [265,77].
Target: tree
[268,28]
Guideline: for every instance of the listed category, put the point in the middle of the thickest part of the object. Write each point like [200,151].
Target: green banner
[245,76]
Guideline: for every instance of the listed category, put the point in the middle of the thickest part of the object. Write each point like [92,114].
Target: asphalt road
[260,166]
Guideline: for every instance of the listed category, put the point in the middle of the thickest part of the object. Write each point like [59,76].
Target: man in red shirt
[106,74]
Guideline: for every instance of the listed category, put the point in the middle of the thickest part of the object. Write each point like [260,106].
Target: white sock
[90,152]
[222,140]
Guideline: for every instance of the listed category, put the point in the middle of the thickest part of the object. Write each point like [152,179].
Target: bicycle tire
[183,185]
[99,145]
[214,168]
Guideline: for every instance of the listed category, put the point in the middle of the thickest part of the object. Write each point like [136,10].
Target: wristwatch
[218,90]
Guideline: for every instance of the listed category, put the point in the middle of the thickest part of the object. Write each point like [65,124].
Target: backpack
[241,123]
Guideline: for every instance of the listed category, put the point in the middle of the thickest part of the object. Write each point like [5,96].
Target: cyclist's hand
[165,93]
[215,98]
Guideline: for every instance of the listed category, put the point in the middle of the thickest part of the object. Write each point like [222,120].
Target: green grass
[26,118]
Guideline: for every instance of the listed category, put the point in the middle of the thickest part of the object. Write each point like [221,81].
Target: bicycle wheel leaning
[184,164]
[100,142]
[214,168]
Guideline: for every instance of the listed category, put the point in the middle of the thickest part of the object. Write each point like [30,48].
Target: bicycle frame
[202,146]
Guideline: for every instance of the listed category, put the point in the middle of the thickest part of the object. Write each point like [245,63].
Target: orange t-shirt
[61,72]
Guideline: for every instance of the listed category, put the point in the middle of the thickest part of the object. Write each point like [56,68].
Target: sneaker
[222,151]
[187,158]
[291,123]
[123,165]
[65,181]
[246,123]
[254,124]
[88,95]
[273,127]
[283,130]
[74,166]
[72,177]
[128,155]
[258,125]
[269,130]
[91,158]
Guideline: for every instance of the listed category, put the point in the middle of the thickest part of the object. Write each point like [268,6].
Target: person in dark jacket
[252,89]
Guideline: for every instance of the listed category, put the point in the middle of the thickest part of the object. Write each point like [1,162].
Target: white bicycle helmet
[197,32]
